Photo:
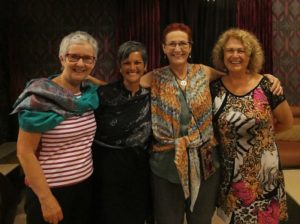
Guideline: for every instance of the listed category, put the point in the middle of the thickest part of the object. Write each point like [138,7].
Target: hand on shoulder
[276,88]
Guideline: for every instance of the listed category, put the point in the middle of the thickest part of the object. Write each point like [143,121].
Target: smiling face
[177,47]
[132,68]
[236,58]
[78,63]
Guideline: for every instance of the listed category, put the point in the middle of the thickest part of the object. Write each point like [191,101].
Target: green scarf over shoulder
[43,104]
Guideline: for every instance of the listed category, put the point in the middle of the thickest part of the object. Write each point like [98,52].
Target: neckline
[245,94]
[128,92]
[182,83]
[59,81]
[62,87]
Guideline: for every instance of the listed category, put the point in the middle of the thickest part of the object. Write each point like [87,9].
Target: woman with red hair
[183,159]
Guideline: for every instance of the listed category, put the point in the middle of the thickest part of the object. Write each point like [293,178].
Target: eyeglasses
[182,44]
[239,51]
[85,58]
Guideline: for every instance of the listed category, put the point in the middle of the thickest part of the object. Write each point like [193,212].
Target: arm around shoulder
[146,80]
[96,81]
[276,87]
[212,73]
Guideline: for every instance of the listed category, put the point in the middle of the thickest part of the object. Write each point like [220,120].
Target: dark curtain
[256,16]
[5,101]
[139,21]
[31,32]
[207,19]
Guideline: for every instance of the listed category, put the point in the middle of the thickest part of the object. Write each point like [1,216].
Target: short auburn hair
[177,27]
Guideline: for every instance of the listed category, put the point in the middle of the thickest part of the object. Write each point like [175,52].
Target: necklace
[182,82]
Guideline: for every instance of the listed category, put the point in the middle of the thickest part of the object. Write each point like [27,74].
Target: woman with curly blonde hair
[251,45]
[244,108]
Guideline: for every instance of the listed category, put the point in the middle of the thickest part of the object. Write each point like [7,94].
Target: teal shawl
[43,104]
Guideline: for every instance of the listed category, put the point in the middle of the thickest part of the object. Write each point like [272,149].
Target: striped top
[65,151]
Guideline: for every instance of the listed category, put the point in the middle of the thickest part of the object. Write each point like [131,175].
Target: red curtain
[139,21]
[256,16]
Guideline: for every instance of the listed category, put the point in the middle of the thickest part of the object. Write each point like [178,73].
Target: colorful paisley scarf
[166,109]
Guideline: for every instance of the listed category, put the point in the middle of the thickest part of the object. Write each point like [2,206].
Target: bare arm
[146,80]
[283,117]
[212,73]
[96,81]
[26,147]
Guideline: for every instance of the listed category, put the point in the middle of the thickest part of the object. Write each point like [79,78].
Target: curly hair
[251,44]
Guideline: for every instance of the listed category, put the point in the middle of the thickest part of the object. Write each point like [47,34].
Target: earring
[190,56]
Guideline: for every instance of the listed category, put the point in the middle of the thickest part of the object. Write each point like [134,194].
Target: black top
[123,120]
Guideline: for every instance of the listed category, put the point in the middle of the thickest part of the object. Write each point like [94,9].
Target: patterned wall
[37,28]
[30,34]
[286,47]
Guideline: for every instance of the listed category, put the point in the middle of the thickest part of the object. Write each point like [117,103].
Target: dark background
[31,30]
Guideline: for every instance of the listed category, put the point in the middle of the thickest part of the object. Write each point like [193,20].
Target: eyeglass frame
[83,57]
[180,44]
[231,51]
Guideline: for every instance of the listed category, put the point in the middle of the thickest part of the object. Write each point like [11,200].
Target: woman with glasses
[183,160]
[57,127]
[184,177]
[247,115]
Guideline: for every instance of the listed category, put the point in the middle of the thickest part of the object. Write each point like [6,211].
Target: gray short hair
[77,37]
[132,46]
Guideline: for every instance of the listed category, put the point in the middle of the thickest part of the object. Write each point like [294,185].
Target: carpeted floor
[292,182]
[293,209]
